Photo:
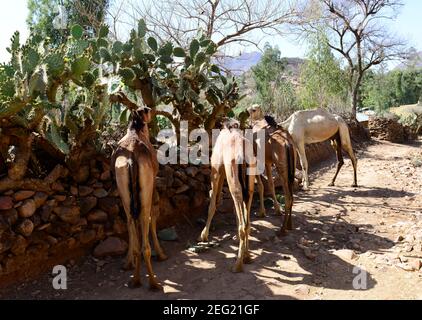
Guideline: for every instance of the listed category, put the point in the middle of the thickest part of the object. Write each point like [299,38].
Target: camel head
[255,112]
[229,123]
[140,117]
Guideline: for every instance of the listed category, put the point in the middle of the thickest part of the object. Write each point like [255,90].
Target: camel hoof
[237,269]
[331,184]
[162,257]
[281,233]
[354,185]
[127,266]
[202,238]
[260,215]
[155,286]
[248,259]
[134,284]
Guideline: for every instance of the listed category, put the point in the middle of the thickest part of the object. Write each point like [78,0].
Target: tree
[322,81]
[51,18]
[383,90]
[225,22]
[357,34]
[275,91]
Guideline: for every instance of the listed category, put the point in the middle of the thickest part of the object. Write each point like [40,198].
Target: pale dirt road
[306,264]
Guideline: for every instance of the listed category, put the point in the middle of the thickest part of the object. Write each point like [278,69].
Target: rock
[192,171]
[198,199]
[112,246]
[45,212]
[6,202]
[59,197]
[168,234]
[85,191]
[100,193]
[25,228]
[106,175]
[399,238]
[161,183]
[57,186]
[109,205]
[87,204]
[119,226]
[302,289]
[177,183]
[6,242]
[181,201]
[97,215]
[82,175]
[345,254]
[40,198]
[182,189]
[415,264]
[71,243]
[309,254]
[19,245]
[68,214]
[226,205]
[23,195]
[51,240]
[405,266]
[87,236]
[74,190]
[10,216]
[27,209]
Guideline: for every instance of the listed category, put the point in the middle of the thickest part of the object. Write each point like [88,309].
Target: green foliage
[42,14]
[381,91]
[268,74]
[62,91]
[322,81]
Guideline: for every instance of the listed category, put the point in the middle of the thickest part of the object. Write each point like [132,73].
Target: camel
[279,150]
[318,125]
[135,166]
[228,160]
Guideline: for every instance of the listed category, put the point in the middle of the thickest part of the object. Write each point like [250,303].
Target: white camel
[318,125]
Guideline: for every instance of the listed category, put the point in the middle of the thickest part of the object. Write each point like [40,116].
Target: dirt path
[306,264]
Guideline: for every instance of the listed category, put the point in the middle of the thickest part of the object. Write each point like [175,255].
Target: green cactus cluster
[58,92]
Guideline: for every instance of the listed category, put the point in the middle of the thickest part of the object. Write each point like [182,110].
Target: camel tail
[134,187]
[290,151]
[243,181]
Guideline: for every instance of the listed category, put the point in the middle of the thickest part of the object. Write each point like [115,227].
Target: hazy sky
[409,24]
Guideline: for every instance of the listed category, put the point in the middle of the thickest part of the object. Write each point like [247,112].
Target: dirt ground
[377,227]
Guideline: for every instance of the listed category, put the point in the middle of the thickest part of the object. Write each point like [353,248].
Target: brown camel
[135,166]
[279,150]
[231,159]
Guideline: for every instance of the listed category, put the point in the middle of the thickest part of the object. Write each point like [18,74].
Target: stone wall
[39,229]
[390,129]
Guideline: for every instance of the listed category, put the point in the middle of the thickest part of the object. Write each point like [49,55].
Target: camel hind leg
[235,188]
[346,144]
[336,143]
[122,181]
[261,213]
[268,170]
[304,163]
[146,181]
[217,179]
[157,247]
